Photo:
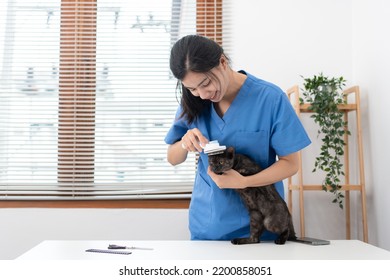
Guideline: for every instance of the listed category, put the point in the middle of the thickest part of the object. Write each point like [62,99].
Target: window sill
[147,203]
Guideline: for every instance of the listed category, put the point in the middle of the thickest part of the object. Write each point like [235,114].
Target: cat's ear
[230,152]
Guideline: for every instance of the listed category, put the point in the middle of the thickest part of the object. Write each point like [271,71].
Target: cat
[267,209]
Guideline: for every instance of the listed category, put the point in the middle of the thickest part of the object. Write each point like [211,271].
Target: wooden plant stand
[293,94]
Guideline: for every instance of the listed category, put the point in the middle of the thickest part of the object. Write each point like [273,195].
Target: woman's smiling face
[209,86]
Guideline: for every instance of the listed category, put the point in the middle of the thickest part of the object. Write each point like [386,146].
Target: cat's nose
[217,171]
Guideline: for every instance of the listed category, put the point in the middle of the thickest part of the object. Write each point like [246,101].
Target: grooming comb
[213,148]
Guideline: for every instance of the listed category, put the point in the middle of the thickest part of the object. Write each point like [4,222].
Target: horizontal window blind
[87,96]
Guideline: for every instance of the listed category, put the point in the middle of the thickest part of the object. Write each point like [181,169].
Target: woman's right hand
[193,141]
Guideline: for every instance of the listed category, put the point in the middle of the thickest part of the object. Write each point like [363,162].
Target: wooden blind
[209,19]
[77,94]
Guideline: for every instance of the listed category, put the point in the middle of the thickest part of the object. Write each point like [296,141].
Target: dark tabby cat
[267,209]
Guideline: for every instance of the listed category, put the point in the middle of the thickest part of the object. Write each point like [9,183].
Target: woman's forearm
[176,154]
[280,170]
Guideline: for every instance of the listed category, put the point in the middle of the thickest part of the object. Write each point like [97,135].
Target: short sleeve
[177,130]
[287,134]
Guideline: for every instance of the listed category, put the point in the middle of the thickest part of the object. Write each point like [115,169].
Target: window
[86,96]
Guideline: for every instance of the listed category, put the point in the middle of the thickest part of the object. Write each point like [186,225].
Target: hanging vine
[324,95]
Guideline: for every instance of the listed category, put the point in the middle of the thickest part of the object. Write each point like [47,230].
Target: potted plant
[324,95]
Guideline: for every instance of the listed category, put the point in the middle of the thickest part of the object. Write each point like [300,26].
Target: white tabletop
[206,250]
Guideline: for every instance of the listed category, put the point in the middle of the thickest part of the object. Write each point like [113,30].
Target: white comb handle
[213,146]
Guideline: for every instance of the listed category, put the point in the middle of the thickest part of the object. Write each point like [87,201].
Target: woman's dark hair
[193,53]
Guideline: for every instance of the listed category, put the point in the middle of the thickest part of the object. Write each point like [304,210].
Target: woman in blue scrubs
[239,110]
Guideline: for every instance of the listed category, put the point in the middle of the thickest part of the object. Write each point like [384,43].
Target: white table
[206,250]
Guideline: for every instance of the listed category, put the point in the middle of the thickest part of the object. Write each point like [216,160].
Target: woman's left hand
[230,179]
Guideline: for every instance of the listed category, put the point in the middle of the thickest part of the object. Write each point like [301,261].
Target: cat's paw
[280,241]
[235,241]
[241,241]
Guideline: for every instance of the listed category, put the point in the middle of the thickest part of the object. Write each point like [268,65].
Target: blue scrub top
[260,123]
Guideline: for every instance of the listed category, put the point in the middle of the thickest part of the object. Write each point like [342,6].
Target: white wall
[279,41]
[21,229]
[371,66]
